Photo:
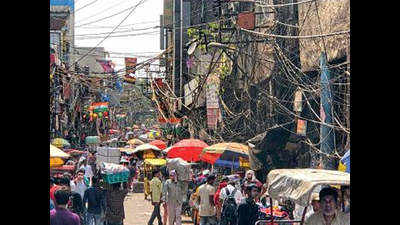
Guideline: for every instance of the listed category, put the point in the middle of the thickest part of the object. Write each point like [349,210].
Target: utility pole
[177,47]
[327,134]
[347,146]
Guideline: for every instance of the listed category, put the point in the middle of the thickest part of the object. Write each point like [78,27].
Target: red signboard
[246,20]
[169,120]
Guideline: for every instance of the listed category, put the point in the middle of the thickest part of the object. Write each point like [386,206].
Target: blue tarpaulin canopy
[226,163]
[346,161]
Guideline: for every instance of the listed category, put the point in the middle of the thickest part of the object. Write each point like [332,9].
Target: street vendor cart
[298,185]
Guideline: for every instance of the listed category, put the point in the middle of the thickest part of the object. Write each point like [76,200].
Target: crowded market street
[207,112]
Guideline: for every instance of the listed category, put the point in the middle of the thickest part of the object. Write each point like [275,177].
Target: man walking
[248,209]
[61,215]
[156,190]
[173,196]
[115,212]
[207,208]
[95,199]
[77,184]
[87,168]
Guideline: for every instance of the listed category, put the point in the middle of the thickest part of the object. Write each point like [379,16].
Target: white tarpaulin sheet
[298,184]
[107,155]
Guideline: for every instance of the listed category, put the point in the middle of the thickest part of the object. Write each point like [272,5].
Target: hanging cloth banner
[298,101]
[212,103]
[130,65]
[301,127]
[107,65]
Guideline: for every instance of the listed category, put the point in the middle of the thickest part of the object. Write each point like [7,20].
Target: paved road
[138,210]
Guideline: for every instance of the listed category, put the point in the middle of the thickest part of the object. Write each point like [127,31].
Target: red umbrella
[160,144]
[187,149]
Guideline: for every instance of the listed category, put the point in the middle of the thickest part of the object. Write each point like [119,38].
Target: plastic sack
[181,167]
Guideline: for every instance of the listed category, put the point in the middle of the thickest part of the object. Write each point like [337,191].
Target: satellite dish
[192,47]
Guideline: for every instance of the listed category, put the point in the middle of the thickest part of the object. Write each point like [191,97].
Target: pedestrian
[146,185]
[88,171]
[248,210]
[346,197]
[76,206]
[206,197]
[173,195]
[115,213]
[77,184]
[203,177]
[61,215]
[155,193]
[230,198]
[329,213]
[132,173]
[217,201]
[231,189]
[314,204]
[54,185]
[250,178]
[52,206]
[95,200]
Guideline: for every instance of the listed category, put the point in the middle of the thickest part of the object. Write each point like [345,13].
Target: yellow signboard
[244,163]
[149,154]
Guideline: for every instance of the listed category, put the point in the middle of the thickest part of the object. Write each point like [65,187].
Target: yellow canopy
[231,146]
[55,162]
[127,150]
[60,142]
[56,152]
[155,162]
[135,142]
[146,147]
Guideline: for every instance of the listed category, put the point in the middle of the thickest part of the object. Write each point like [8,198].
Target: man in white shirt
[229,189]
[77,184]
[88,170]
[207,208]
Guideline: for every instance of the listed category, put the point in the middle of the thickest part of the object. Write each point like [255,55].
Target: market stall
[57,157]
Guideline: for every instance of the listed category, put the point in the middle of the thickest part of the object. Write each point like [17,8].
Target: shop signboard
[168,9]
[301,127]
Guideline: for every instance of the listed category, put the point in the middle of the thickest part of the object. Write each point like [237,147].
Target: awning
[155,162]
[56,152]
[126,150]
[225,163]
[144,147]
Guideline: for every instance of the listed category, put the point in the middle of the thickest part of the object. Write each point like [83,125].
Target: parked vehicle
[297,185]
